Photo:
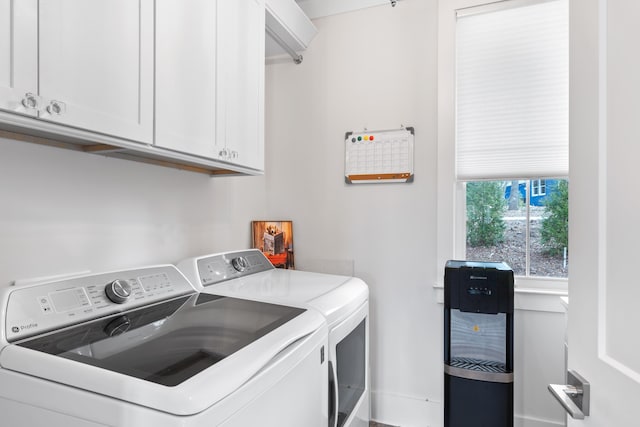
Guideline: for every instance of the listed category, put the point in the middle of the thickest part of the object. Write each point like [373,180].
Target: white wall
[63,211]
[373,69]
[539,361]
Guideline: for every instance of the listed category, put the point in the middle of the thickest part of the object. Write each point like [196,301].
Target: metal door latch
[574,397]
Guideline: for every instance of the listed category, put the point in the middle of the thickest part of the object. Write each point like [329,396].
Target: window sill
[533,299]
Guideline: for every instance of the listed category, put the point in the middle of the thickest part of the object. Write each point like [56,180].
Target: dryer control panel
[35,309]
[220,267]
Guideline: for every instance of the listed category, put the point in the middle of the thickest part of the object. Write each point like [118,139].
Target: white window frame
[451,210]
[538,187]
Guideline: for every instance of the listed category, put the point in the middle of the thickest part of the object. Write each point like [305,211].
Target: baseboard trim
[523,421]
[411,411]
[405,411]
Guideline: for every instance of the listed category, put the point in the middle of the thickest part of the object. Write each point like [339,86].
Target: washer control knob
[240,263]
[118,291]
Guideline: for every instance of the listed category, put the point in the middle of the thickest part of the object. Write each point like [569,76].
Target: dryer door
[350,356]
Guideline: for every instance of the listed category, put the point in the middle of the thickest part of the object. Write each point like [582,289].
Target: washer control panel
[218,268]
[35,309]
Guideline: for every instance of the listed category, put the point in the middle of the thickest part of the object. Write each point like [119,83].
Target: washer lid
[180,356]
[284,286]
[333,296]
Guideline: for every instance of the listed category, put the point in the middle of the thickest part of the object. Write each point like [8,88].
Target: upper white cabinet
[186,76]
[210,79]
[96,57]
[81,63]
[172,82]
[240,82]
[19,56]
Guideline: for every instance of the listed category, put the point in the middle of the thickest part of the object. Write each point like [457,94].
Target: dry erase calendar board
[379,156]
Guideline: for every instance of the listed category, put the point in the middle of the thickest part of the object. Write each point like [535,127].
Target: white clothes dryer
[342,300]
[142,347]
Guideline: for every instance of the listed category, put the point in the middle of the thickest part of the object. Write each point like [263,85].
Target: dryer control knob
[240,263]
[118,291]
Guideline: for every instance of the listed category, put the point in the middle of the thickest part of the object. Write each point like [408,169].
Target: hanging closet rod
[297,58]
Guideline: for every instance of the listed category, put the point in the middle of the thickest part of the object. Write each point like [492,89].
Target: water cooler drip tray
[478,365]
[479,370]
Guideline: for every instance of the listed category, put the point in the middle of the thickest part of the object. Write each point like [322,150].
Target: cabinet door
[241,81]
[18,55]
[186,76]
[96,65]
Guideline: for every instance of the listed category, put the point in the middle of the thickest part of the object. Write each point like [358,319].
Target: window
[506,222]
[503,136]
[538,187]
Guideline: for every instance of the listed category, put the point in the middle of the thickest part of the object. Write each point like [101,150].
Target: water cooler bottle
[478,344]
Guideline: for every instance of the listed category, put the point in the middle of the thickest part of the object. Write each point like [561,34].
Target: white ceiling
[320,8]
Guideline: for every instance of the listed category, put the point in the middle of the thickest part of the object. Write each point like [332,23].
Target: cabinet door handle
[234,154]
[56,108]
[30,101]
[224,153]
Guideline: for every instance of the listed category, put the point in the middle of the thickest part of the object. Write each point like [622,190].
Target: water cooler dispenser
[478,344]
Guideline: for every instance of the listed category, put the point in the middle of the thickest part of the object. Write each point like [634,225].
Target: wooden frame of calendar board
[275,240]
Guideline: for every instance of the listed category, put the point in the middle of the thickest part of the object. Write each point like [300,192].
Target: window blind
[512,92]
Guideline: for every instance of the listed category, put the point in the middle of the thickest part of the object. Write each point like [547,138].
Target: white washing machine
[143,348]
[342,300]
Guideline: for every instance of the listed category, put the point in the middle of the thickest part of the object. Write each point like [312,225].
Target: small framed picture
[275,240]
